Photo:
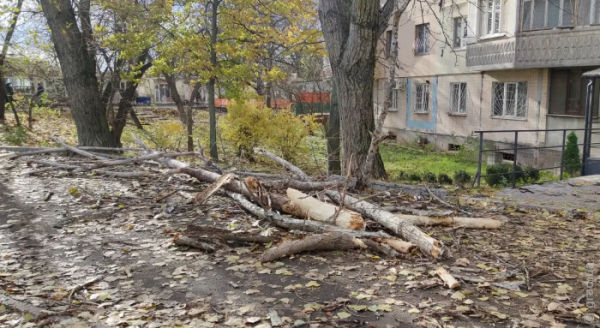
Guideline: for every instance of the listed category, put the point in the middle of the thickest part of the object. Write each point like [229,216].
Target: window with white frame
[422,39]
[395,96]
[544,14]
[421,98]
[509,99]
[460,32]
[491,16]
[458,98]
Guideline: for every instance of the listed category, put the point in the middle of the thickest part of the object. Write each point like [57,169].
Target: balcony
[559,47]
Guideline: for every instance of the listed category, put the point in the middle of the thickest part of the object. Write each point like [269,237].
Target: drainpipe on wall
[540,80]
[480,100]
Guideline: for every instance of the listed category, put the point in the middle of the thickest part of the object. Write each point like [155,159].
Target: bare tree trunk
[125,105]
[333,135]
[351,30]
[190,117]
[172,83]
[79,74]
[7,39]
[214,153]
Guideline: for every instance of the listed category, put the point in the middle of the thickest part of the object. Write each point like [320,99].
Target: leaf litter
[531,272]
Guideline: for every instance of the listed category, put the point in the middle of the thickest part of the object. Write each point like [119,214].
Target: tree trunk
[2,94]
[333,135]
[171,82]
[351,30]
[214,154]
[7,39]
[125,106]
[79,74]
[190,117]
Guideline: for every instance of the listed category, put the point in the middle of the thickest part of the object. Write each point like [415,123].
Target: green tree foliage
[572,160]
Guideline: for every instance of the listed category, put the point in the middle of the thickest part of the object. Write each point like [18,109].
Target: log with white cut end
[400,227]
[447,278]
[324,212]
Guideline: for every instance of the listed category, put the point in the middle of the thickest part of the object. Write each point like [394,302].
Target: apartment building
[468,65]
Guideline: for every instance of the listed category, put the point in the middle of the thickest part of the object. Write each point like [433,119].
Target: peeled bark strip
[398,244]
[289,166]
[297,224]
[447,278]
[187,241]
[320,211]
[210,190]
[333,241]
[473,223]
[400,227]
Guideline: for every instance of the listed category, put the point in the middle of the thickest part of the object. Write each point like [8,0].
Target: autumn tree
[11,12]
[78,66]
[351,30]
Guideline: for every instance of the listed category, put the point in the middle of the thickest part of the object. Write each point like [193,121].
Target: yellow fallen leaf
[312,284]
[390,300]
[521,294]
[458,296]
[483,298]
[343,315]
[413,310]
[499,315]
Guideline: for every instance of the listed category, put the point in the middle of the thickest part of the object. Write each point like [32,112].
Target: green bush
[414,177]
[429,177]
[402,176]
[462,177]
[521,174]
[572,161]
[444,179]
[15,136]
[497,175]
[532,173]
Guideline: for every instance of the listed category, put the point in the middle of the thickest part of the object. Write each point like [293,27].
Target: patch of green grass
[409,160]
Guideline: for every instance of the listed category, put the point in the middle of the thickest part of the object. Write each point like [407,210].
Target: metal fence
[516,148]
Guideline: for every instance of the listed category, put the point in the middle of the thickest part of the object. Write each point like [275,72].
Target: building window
[422,98]
[568,92]
[491,16]
[395,96]
[458,98]
[544,14]
[422,39]
[460,32]
[509,100]
[391,43]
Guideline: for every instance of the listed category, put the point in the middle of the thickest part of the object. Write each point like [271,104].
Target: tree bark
[331,241]
[171,82]
[79,74]
[214,154]
[7,39]
[190,117]
[125,104]
[333,135]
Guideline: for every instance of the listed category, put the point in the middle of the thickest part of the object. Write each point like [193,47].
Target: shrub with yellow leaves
[248,125]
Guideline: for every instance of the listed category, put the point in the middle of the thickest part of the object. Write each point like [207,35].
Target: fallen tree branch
[297,224]
[446,203]
[132,160]
[78,151]
[289,166]
[323,212]
[332,241]
[415,211]
[201,197]
[472,223]
[380,248]
[81,286]
[187,241]
[402,228]
[300,185]
[447,278]
[208,233]
[398,244]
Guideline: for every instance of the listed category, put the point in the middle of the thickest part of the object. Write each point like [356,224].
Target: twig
[78,151]
[446,203]
[85,284]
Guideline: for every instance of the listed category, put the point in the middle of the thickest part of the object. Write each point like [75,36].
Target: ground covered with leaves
[100,250]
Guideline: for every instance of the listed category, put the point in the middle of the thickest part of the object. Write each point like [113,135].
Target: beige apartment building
[469,65]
